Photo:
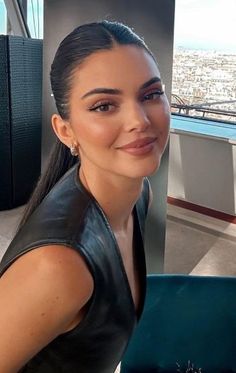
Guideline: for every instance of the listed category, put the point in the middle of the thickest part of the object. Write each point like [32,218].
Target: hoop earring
[74,151]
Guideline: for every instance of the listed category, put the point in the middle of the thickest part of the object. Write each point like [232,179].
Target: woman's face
[119,114]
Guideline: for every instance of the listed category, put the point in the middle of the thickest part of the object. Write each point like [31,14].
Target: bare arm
[42,295]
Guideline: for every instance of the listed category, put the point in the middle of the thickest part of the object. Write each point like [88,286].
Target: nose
[136,118]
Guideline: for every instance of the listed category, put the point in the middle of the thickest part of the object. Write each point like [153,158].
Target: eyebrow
[110,91]
[114,91]
[151,81]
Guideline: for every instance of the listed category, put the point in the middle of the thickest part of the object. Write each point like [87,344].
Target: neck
[115,194]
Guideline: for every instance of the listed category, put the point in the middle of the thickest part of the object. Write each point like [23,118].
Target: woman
[73,279]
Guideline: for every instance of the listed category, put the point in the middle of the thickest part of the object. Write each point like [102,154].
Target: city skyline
[206,80]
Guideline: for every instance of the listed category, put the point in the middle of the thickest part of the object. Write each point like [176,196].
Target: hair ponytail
[60,161]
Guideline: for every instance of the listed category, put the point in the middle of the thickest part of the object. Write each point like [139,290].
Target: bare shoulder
[54,279]
[55,267]
[42,294]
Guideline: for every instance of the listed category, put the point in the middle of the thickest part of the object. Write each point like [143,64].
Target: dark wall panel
[20,118]
[5,130]
[152,19]
[25,61]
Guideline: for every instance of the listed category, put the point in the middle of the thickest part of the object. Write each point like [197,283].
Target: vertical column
[154,20]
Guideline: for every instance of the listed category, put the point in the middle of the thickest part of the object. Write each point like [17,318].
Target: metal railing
[204,110]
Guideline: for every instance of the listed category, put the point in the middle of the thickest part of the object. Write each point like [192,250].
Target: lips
[139,143]
[140,147]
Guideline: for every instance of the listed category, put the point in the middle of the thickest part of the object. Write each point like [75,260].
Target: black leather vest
[70,216]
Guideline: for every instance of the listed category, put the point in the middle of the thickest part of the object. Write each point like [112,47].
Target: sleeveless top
[70,216]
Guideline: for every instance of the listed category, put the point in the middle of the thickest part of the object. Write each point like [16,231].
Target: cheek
[165,130]
[160,117]
[161,121]
[101,133]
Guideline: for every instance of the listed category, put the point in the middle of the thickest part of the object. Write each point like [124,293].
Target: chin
[145,170]
[152,170]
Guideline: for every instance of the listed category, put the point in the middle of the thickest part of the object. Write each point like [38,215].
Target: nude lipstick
[140,146]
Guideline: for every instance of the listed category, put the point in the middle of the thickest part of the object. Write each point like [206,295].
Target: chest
[127,246]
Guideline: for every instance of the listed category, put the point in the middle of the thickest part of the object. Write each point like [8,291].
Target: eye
[153,95]
[102,107]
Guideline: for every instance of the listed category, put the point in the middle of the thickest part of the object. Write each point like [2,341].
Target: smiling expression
[119,114]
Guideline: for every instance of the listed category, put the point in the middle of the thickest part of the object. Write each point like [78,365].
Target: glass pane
[3,18]
[32,11]
[35,18]
[204,69]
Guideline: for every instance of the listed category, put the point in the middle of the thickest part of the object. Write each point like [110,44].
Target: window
[32,10]
[204,69]
[3,18]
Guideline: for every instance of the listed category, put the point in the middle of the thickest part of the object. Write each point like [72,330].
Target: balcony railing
[204,110]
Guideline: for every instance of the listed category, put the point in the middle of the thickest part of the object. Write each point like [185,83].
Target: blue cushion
[186,320]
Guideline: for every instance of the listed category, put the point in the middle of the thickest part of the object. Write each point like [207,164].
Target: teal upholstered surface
[186,318]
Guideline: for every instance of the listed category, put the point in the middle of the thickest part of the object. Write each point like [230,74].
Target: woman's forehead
[117,65]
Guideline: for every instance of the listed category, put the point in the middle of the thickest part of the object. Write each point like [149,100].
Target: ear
[62,130]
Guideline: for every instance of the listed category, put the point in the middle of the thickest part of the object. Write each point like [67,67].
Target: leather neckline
[138,248]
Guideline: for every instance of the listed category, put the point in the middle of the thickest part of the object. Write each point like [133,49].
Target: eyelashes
[110,105]
[153,95]
[103,106]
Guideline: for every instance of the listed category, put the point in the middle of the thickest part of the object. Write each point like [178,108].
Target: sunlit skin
[116,98]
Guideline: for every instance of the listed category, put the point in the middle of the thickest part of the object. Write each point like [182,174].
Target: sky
[206,24]
[199,24]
